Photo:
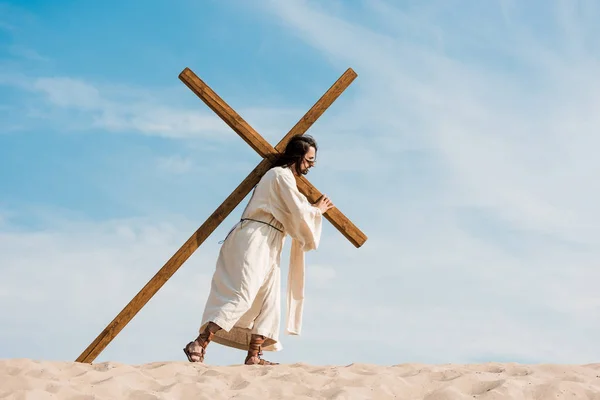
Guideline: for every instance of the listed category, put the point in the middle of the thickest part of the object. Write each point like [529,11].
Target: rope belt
[262,222]
[250,219]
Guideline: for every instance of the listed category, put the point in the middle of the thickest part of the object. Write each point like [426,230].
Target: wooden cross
[262,147]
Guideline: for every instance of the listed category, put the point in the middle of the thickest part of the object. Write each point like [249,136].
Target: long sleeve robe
[245,289]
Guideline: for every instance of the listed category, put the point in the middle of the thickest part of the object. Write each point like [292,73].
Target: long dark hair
[295,151]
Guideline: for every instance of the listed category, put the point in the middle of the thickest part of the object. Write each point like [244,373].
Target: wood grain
[262,147]
[203,232]
[227,114]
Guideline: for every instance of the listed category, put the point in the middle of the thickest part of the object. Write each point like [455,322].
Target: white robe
[245,291]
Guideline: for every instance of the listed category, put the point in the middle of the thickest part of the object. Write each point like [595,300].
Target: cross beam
[205,230]
[265,150]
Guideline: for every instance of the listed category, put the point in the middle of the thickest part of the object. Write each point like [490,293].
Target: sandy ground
[31,379]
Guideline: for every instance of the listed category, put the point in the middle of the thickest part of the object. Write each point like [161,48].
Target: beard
[301,171]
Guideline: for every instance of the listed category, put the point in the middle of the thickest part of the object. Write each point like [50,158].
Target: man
[243,307]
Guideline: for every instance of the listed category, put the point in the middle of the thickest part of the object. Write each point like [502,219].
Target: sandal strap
[255,350]
[206,337]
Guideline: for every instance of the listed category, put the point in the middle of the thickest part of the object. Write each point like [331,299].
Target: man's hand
[324,204]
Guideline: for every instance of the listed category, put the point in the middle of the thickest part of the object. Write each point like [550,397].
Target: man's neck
[293,169]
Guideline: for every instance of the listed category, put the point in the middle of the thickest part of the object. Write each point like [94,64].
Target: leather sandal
[189,354]
[203,340]
[255,351]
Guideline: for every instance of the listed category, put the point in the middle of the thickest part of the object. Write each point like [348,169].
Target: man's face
[308,161]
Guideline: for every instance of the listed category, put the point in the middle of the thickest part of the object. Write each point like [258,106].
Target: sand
[31,379]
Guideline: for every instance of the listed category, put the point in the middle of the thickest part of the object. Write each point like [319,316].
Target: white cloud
[477,145]
[321,275]
[70,93]
[484,126]
[112,109]
[60,287]
[175,164]
[26,53]
[73,103]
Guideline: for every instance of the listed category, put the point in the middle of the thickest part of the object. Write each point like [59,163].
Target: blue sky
[465,150]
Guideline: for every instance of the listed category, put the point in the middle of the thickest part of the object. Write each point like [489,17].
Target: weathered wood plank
[227,114]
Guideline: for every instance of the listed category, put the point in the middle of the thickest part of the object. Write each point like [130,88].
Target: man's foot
[196,350]
[256,360]
[255,351]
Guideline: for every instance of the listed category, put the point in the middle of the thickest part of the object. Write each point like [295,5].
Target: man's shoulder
[279,174]
[280,171]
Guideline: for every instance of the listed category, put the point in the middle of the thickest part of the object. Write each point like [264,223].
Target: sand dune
[30,379]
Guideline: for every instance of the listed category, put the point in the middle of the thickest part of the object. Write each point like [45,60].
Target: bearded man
[243,308]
